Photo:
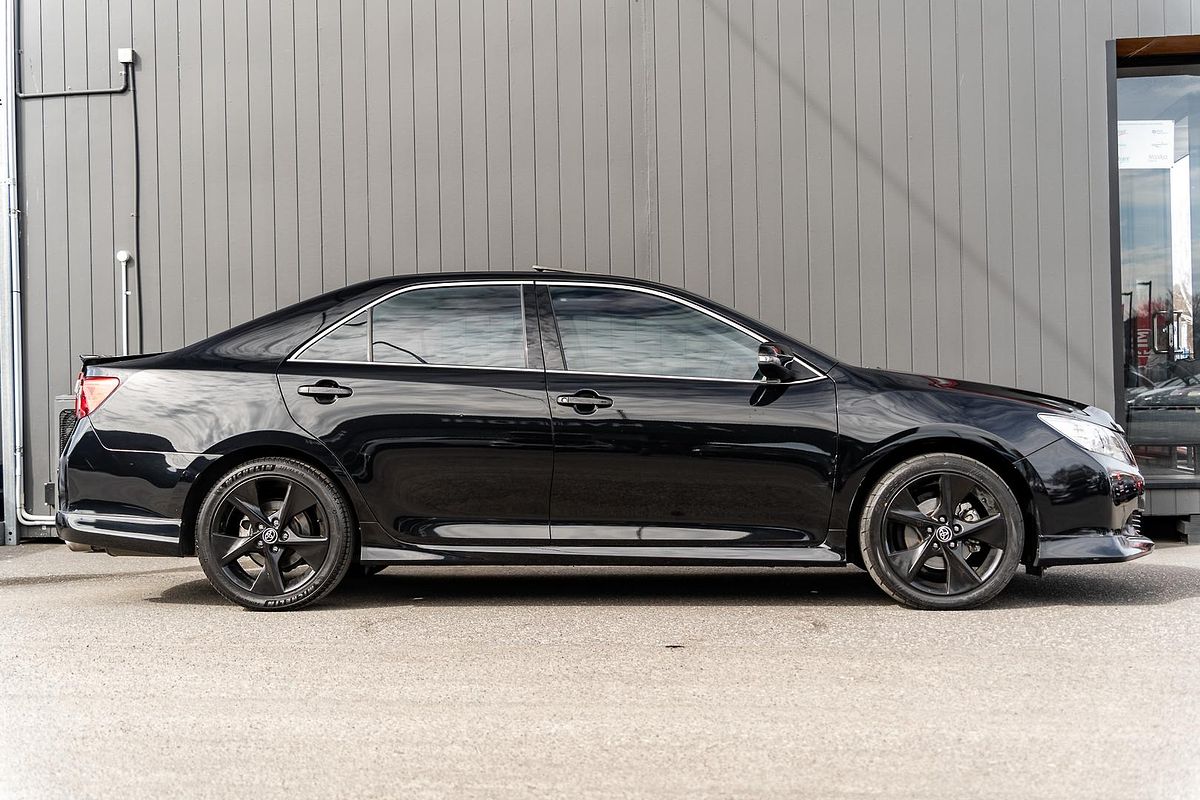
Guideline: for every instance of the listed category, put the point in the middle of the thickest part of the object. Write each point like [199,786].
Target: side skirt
[604,555]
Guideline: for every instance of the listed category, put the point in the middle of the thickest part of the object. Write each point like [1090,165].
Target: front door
[665,433]
[434,401]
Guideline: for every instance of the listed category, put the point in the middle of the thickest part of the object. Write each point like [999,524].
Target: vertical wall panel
[844,162]
[402,132]
[972,179]
[919,113]
[593,82]
[308,149]
[239,187]
[104,154]
[355,141]
[897,291]
[164,207]
[693,147]
[1081,358]
[572,188]
[523,231]
[261,131]
[872,321]
[793,131]
[768,93]
[715,133]
[475,145]
[921,184]
[1026,204]
[743,277]
[1048,98]
[996,251]
[818,165]
[668,156]
[947,238]
[498,204]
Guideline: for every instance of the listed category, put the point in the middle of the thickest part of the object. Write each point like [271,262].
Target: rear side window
[459,326]
[620,331]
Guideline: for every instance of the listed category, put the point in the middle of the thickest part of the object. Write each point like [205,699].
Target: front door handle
[324,391]
[585,401]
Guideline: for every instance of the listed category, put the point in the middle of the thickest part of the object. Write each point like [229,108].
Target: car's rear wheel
[941,531]
[274,534]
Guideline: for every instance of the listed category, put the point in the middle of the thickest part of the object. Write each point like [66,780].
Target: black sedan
[560,418]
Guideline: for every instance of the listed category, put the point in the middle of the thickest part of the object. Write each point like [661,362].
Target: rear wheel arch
[228,461]
[987,456]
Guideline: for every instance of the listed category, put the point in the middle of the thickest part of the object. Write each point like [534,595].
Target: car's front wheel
[941,531]
[274,534]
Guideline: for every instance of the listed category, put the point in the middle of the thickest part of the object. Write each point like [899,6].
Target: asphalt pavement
[130,678]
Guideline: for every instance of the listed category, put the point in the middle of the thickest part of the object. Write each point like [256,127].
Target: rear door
[434,401]
[664,431]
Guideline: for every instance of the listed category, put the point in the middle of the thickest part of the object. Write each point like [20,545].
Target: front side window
[621,331]
[460,326]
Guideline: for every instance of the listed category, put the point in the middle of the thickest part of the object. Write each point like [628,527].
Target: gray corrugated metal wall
[918,184]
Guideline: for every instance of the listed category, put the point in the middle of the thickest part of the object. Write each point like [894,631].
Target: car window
[608,329]
[347,342]
[462,326]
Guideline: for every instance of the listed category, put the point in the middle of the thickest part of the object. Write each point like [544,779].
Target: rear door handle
[585,401]
[324,391]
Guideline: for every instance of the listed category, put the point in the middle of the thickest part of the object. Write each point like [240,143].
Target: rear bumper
[121,534]
[122,501]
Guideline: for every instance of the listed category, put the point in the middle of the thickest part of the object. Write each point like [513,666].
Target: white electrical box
[125,55]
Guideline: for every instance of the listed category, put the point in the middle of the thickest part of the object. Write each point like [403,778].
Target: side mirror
[774,362]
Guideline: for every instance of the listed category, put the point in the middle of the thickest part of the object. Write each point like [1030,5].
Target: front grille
[66,426]
[1135,521]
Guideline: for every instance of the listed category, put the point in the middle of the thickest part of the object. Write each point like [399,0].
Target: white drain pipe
[12,381]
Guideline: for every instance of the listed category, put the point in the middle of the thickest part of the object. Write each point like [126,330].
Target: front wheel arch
[212,473]
[1007,471]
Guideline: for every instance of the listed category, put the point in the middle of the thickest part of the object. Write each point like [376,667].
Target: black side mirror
[774,362]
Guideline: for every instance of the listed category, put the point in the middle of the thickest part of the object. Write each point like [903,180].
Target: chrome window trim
[437,284]
[419,366]
[299,351]
[758,382]
[753,334]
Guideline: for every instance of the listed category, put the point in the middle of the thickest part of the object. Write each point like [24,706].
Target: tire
[928,558]
[274,534]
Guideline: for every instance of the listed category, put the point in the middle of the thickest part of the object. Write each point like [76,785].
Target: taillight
[93,390]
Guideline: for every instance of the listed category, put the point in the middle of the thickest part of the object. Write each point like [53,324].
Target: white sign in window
[1145,143]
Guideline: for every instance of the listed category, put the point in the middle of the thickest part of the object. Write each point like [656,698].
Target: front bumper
[1100,547]
[1086,507]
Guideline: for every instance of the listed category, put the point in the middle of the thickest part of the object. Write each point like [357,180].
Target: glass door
[1158,161]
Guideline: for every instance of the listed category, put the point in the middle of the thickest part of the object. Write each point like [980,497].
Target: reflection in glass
[461,326]
[1158,159]
[620,331]
[347,342]
[466,326]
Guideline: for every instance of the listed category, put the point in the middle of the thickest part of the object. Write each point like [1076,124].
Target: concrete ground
[131,678]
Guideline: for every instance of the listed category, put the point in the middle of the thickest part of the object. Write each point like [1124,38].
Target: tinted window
[347,342]
[461,326]
[634,333]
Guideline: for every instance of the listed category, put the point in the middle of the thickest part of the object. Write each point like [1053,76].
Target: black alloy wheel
[942,531]
[274,534]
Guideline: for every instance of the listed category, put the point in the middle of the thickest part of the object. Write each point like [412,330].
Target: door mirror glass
[775,363]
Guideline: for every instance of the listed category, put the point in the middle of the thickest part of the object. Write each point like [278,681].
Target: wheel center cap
[270,535]
[943,533]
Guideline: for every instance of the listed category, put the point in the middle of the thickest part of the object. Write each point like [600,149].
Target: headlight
[1092,437]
